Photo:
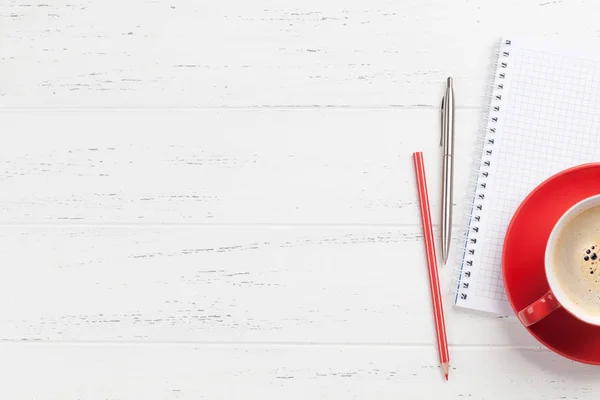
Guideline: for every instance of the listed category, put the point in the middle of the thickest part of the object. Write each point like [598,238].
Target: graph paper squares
[550,120]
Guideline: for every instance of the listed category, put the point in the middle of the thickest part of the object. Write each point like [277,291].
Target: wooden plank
[265,167]
[325,285]
[157,53]
[70,372]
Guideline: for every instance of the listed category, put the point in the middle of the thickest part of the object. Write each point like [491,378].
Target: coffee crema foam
[576,261]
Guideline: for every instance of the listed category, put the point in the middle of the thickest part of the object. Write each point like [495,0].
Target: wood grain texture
[322,285]
[217,200]
[235,167]
[98,372]
[267,53]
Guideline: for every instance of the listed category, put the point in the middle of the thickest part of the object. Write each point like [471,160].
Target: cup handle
[539,309]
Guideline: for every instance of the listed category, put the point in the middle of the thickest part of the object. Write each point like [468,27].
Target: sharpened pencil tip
[445,369]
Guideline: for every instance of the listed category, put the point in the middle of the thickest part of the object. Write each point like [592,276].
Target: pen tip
[446,377]
[449,82]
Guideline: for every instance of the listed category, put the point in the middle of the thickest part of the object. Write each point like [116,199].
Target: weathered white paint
[259,167]
[321,285]
[190,371]
[267,53]
[217,200]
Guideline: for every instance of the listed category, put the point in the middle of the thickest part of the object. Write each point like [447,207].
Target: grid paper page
[548,120]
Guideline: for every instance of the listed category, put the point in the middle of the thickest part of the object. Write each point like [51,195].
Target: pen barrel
[447,200]
[448,121]
[448,168]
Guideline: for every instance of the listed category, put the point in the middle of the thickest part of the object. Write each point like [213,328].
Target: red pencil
[436,295]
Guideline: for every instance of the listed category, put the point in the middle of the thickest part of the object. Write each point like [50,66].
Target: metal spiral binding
[466,241]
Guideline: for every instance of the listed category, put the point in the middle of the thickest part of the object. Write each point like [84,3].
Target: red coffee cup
[556,297]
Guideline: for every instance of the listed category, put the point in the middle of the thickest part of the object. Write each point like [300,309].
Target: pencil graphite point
[446,369]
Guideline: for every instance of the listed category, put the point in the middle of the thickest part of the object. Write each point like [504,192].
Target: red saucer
[523,260]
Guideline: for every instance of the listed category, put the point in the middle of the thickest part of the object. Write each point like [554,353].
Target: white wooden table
[216,199]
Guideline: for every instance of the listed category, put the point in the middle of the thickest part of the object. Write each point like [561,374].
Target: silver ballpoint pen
[447,142]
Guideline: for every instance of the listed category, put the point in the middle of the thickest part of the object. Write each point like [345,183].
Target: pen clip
[442,124]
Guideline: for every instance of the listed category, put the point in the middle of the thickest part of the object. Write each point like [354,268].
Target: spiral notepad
[543,117]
